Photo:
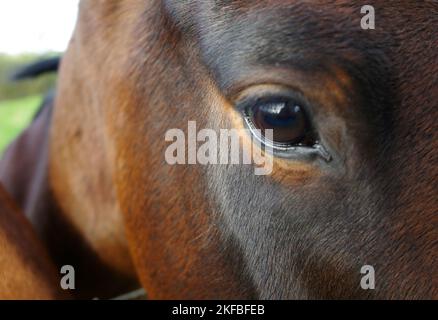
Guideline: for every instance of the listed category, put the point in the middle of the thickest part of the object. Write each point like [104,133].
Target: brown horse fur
[135,69]
[26,269]
[24,172]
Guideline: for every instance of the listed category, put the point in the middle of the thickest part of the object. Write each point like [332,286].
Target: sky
[36,26]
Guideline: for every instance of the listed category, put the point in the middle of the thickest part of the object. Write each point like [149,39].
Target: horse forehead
[332,26]
[408,9]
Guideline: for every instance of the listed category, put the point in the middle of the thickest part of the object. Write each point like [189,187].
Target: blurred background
[29,30]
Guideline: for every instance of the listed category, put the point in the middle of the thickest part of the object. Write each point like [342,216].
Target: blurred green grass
[15,116]
[20,100]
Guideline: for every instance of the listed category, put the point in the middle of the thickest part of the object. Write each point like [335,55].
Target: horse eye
[287,118]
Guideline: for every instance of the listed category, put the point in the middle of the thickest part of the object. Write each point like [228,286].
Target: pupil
[287,120]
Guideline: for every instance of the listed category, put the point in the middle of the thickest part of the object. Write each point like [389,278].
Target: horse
[26,269]
[99,191]
[25,175]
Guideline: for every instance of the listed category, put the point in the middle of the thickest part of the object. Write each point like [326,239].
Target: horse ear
[36,69]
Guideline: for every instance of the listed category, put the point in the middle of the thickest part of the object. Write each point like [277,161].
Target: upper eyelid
[269,87]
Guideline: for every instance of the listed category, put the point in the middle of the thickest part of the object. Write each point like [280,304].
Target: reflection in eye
[285,113]
[286,117]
